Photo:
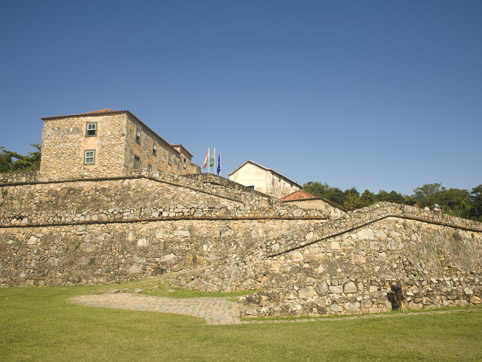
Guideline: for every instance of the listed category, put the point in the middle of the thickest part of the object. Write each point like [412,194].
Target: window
[184,162]
[89,157]
[137,163]
[169,160]
[91,129]
[154,149]
[138,135]
[149,167]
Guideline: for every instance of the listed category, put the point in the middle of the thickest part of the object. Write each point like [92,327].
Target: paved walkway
[213,310]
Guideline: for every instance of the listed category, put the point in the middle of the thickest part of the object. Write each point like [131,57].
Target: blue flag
[219,164]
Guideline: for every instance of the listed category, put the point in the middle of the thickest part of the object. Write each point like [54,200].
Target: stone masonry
[208,233]
[118,143]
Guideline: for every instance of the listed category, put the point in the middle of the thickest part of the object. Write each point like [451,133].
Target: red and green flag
[206,159]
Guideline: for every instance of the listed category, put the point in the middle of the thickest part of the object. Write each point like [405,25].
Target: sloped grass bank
[39,324]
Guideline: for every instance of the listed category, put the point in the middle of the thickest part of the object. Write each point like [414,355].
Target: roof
[266,169]
[302,195]
[298,196]
[108,111]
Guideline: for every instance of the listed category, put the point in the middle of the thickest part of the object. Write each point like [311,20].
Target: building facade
[107,143]
[263,179]
[306,200]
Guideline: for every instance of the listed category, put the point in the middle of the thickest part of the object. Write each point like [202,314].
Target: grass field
[39,324]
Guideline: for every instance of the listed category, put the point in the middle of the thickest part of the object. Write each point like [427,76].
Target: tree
[427,194]
[5,160]
[390,197]
[14,162]
[476,199]
[455,202]
[368,198]
[352,199]
[317,189]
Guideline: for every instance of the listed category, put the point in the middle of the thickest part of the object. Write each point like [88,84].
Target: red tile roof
[302,195]
[298,196]
[105,110]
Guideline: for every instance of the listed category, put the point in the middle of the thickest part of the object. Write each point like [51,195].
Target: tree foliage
[476,199]
[456,202]
[13,162]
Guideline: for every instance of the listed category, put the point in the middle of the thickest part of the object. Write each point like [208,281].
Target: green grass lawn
[39,324]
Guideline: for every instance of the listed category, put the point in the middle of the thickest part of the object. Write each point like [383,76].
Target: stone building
[263,179]
[107,143]
[306,200]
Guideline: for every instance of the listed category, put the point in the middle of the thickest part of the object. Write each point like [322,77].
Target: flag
[213,158]
[219,164]
[206,159]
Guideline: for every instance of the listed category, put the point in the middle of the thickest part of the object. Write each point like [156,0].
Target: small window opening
[89,157]
[137,163]
[91,129]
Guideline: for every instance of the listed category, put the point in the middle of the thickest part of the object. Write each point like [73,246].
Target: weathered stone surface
[365,234]
[475,300]
[350,287]
[220,237]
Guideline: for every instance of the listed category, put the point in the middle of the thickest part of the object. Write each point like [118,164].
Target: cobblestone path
[213,310]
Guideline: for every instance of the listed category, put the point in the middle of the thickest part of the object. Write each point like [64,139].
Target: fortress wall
[112,252]
[121,199]
[19,177]
[352,271]
[209,234]
[130,198]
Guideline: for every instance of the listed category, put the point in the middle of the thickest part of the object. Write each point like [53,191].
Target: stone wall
[353,272]
[64,142]
[319,204]
[348,265]
[133,198]
[167,159]
[111,252]
[19,178]
[208,233]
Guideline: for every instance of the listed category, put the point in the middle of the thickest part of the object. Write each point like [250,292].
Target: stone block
[350,287]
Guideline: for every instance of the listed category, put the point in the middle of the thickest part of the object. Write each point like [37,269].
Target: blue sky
[367,94]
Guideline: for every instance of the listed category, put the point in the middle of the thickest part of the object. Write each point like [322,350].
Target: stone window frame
[169,158]
[137,162]
[87,130]
[154,148]
[87,158]
[184,162]
[138,135]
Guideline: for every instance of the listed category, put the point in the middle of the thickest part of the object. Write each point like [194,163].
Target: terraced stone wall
[349,265]
[138,197]
[111,252]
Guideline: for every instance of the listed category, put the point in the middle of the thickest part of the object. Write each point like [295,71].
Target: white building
[263,179]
